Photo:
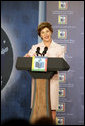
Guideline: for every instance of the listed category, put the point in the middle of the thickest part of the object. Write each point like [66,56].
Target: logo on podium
[39,63]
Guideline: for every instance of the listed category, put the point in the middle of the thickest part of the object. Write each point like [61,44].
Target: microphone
[38,51]
[45,50]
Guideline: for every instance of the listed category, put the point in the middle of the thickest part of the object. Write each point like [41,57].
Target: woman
[45,31]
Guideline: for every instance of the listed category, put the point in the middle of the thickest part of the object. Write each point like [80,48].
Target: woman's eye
[42,32]
[47,31]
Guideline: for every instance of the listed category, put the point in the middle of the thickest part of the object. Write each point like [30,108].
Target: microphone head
[46,48]
[38,51]
[38,48]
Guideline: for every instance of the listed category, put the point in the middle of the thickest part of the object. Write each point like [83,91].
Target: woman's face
[45,34]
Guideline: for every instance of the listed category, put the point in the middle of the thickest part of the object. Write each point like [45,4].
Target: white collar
[50,44]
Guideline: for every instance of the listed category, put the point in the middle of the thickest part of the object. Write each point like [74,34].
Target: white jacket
[54,50]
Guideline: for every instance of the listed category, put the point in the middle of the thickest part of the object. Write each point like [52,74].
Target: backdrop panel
[67,18]
[19,21]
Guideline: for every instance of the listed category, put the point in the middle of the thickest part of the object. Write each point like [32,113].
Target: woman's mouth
[46,37]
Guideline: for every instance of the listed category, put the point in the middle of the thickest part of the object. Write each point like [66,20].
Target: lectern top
[53,64]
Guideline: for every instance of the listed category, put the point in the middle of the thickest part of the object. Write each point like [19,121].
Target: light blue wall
[42,14]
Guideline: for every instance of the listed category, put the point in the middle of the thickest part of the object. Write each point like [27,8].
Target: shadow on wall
[22,122]
[15,122]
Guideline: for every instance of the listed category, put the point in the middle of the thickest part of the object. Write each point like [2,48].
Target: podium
[41,100]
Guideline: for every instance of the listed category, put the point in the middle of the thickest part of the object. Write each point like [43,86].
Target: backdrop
[67,18]
[19,20]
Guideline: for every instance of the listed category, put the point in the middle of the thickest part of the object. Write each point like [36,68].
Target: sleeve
[62,52]
[32,51]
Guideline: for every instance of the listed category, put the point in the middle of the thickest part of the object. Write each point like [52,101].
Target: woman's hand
[26,55]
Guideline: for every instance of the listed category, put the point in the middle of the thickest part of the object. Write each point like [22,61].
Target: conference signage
[39,63]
